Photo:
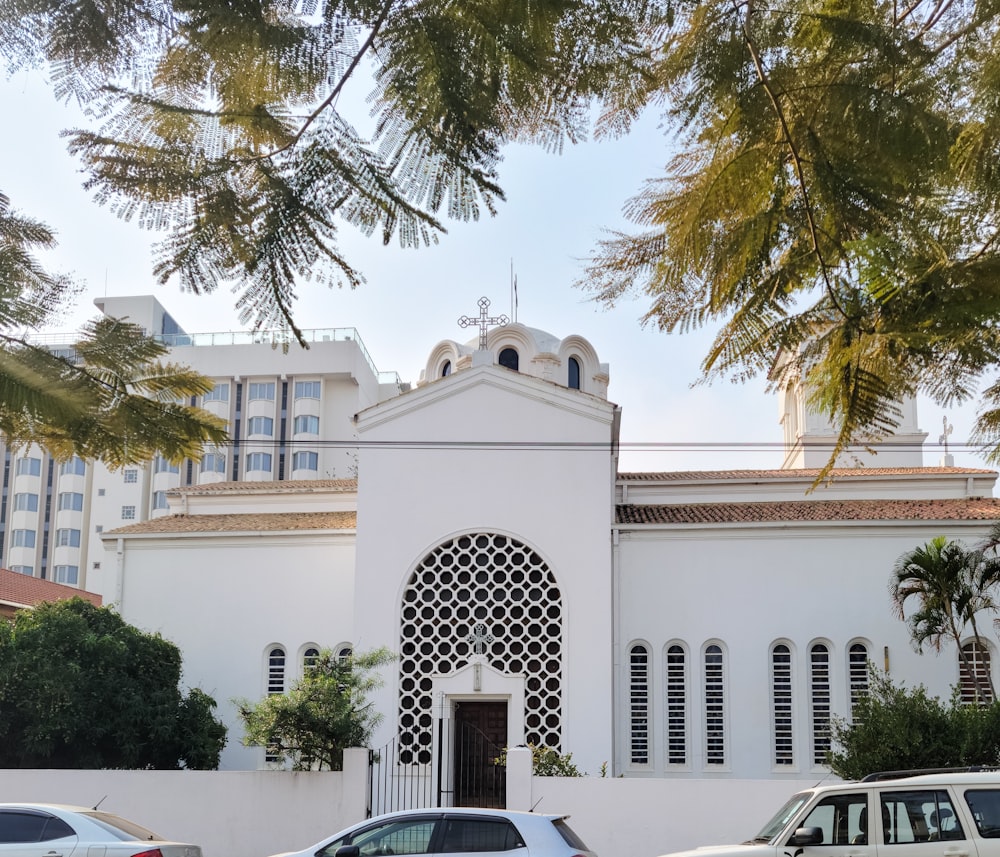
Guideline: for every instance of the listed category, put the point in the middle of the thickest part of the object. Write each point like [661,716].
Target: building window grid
[819,701]
[304,460]
[22,538]
[163,465]
[260,391]
[781,705]
[128,513]
[68,537]
[715,707]
[160,500]
[67,574]
[70,501]
[261,425]
[28,466]
[130,476]
[676,706]
[219,393]
[639,705]
[307,389]
[25,502]
[259,461]
[74,467]
[306,424]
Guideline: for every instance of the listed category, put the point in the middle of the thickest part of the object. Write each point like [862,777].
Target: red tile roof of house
[245,523]
[966,509]
[291,486]
[22,590]
[800,473]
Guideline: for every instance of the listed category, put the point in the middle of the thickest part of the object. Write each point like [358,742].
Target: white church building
[684,624]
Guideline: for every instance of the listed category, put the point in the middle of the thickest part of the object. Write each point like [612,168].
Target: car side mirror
[802,836]
[348,851]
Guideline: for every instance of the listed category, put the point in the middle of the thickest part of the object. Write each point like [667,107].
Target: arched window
[276,671]
[676,705]
[446,369]
[781,704]
[715,706]
[819,701]
[275,685]
[974,670]
[344,651]
[509,359]
[309,657]
[638,689]
[573,373]
[857,672]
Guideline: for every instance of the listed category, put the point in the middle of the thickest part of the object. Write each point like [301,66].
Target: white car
[942,814]
[55,830]
[454,831]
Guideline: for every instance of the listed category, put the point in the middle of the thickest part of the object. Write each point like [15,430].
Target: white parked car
[455,832]
[54,830]
[943,814]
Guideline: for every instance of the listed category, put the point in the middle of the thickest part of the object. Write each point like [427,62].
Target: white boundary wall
[259,813]
[227,813]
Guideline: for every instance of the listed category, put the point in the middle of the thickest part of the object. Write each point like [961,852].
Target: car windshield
[781,818]
[120,828]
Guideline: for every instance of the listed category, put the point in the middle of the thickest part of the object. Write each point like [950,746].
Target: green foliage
[835,199]
[548,762]
[325,712]
[952,585]
[112,399]
[221,123]
[80,688]
[894,728]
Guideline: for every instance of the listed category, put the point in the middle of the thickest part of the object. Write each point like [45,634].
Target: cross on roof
[483,321]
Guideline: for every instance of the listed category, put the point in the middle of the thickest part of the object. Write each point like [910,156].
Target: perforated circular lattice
[494,581]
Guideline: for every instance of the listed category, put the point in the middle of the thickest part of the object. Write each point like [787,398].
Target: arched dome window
[573,380]
[509,359]
[446,369]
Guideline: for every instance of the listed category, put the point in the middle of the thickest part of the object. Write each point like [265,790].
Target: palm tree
[951,585]
[111,397]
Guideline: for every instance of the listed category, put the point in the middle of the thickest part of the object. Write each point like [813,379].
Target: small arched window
[309,657]
[573,373]
[974,674]
[276,671]
[446,369]
[715,706]
[857,669]
[344,651]
[781,705]
[819,701]
[639,704]
[676,706]
[509,359]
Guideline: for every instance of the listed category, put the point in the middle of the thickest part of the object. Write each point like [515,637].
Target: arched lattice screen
[494,589]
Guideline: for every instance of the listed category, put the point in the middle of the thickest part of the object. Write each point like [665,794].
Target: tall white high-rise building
[290,416]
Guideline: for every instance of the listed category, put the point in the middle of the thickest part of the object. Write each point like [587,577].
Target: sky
[558,207]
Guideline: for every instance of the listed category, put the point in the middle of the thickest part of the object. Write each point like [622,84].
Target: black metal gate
[468,769]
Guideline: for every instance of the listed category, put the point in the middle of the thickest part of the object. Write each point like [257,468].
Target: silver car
[55,830]
[478,832]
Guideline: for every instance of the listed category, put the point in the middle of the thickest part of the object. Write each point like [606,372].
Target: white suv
[931,815]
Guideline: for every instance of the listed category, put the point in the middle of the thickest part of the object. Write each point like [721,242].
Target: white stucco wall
[748,587]
[225,600]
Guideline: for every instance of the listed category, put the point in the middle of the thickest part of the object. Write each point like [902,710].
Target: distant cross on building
[944,435]
[484,321]
[479,637]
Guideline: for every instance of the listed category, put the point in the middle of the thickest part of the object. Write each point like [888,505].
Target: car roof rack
[917,772]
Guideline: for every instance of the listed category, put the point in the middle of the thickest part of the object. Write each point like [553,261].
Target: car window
[569,835]
[399,836]
[843,819]
[16,826]
[984,804]
[479,834]
[120,828]
[782,817]
[918,815]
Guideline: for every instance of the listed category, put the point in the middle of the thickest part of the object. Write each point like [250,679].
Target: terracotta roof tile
[970,509]
[800,473]
[242,523]
[291,486]
[27,591]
